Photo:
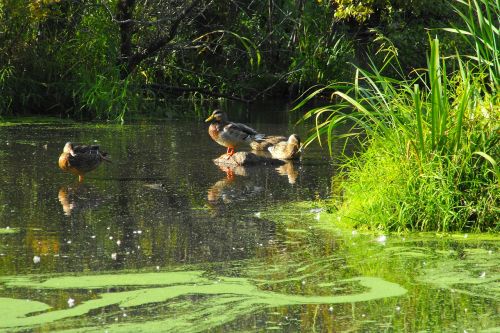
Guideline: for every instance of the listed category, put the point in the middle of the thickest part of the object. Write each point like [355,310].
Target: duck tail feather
[259,137]
[106,158]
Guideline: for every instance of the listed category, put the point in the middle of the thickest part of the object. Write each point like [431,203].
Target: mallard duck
[266,142]
[229,134]
[81,159]
[286,150]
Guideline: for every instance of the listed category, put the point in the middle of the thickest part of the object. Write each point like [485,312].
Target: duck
[266,142]
[81,159]
[286,150]
[229,134]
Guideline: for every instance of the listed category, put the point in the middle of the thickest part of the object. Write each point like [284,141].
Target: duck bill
[209,118]
[72,153]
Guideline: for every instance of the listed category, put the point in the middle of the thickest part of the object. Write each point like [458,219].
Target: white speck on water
[257,214]
[398,308]
[110,237]
[465,310]
[138,246]
[108,228]
[124,314]
[316,210]
[71,302]
[330,309]
[7,227]
[490,252]
[483,275]
[317,216]
[354,232]
[93,236]
[36,259]
[363,315]
[382,239]
[113,256]
[465,236]
[118,242]
[69,242]
[157,268]
[303,282]
[116,319]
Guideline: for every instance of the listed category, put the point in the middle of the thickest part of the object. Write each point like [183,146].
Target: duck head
[217,115]
[68,149]
[294,140]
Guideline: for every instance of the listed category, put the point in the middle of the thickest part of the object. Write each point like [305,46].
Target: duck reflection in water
[76,198]
[222,188]
[289,170]
[242,183]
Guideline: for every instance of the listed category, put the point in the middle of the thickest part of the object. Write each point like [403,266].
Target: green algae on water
[228,297]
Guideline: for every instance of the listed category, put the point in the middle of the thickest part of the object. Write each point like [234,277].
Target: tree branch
[200,90]
[158,44]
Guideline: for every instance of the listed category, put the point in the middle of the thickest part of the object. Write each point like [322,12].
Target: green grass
[431,146]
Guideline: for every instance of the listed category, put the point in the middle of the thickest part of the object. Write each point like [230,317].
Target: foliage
[481,33]
[107,59]
[433,140]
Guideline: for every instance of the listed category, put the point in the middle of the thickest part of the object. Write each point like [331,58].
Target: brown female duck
[229,134]
[286,150]
[266,142]
[81,159]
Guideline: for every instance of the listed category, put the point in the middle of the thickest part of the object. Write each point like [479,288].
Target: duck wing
[86,158]
[240,132]
[267,142]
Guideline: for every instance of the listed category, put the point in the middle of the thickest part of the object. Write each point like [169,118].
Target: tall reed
[431,147]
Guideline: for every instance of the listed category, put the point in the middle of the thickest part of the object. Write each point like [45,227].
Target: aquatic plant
[431,145]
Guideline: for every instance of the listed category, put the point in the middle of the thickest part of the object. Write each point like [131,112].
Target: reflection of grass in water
[476,273]
[4,231]
[450,277]
[217,301]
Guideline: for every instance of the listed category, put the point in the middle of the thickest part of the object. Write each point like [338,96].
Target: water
[162,239]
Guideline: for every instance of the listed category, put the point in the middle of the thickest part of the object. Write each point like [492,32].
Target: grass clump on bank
[430,158]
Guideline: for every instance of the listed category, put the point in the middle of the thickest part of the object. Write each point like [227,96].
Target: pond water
[162,240]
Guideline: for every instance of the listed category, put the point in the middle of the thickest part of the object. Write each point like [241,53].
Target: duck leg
[80,178]
[230,152]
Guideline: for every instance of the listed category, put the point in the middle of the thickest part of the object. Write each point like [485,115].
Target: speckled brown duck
[81,159]
[266,142]
[286,150]
[229,134]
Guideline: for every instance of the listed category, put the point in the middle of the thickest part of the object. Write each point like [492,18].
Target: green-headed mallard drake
[229,134]
[81,159]
[266,142]
[286,150]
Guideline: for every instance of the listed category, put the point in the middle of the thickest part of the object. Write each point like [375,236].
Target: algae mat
[193,302]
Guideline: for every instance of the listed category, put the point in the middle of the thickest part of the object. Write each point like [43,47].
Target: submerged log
[243,158]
